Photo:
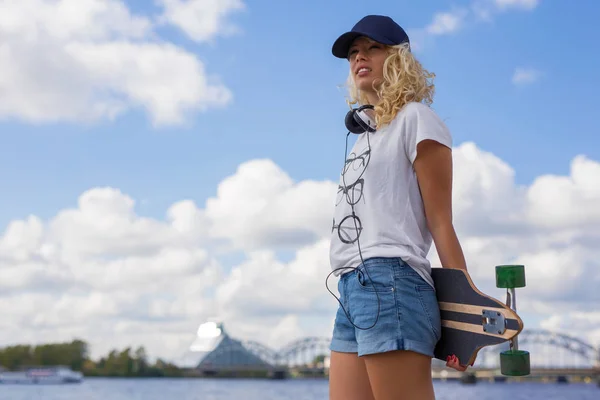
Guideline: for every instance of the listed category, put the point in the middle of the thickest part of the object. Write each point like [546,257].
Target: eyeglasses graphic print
[350,227]
[352,193]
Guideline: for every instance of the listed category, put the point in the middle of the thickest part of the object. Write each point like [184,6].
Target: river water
[240,389]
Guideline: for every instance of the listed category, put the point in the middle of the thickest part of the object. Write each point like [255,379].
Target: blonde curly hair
[404,80]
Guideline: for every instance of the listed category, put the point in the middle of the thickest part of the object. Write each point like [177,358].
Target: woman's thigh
[400,375]
[348,379]
[399,349]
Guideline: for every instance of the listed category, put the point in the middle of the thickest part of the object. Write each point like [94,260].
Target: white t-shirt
[383,185]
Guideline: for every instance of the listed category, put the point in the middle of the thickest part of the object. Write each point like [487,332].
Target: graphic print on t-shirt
[350,193]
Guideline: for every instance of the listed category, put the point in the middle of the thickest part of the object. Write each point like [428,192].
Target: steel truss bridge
[552,355]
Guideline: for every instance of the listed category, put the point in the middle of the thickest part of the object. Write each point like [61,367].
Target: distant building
[231,354]
[213,349]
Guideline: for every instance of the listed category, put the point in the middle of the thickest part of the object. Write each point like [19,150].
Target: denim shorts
[409,316]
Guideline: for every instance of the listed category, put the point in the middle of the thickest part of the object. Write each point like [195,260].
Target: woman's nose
[360,55]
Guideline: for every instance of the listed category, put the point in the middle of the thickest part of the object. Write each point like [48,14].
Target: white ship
[33,375]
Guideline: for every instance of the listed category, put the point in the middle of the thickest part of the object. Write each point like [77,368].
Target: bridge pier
[468,378]
[562,379]
[279,374]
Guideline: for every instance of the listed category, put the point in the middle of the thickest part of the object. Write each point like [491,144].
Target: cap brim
[342,45]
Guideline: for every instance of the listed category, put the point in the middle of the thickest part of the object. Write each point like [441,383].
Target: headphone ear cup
[358,120]
[364,120]
[352,124]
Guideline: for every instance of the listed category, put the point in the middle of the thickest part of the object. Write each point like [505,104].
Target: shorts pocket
[375,278]
[431,308]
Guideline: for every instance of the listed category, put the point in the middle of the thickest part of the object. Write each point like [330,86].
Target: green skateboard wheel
[514,363]
[510,276]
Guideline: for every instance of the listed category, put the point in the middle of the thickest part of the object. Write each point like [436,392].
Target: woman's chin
[364,84]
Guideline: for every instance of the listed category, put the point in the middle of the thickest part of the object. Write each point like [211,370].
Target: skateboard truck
[513,362]
[493,322]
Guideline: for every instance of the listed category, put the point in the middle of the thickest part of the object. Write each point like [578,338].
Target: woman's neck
[372,98]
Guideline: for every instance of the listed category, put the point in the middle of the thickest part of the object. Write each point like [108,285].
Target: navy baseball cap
[379,28]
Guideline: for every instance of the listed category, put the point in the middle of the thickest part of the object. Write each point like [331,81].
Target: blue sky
[518,78]
[286,105]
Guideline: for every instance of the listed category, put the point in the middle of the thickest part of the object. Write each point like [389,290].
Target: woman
[394,199]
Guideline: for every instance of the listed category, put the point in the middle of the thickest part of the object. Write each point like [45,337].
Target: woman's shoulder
[417,121]
[415,115]
[415,109]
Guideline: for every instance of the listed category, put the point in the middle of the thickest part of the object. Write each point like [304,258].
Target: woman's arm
[433,167]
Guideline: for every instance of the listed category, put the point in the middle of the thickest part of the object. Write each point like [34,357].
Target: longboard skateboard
[472,320]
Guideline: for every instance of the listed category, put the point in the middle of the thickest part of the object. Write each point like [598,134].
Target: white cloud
[485,196]
[575,321]
[446,22]
[85,60]
[517,4]
[523,76]
[101,270]
[551,198]
[260,206]
[201,20]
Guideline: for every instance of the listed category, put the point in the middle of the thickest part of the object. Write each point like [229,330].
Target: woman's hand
[453,362]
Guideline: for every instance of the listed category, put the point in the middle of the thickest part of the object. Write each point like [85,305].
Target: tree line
[123,363]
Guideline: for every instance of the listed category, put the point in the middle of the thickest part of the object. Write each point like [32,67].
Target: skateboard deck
[471,319]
